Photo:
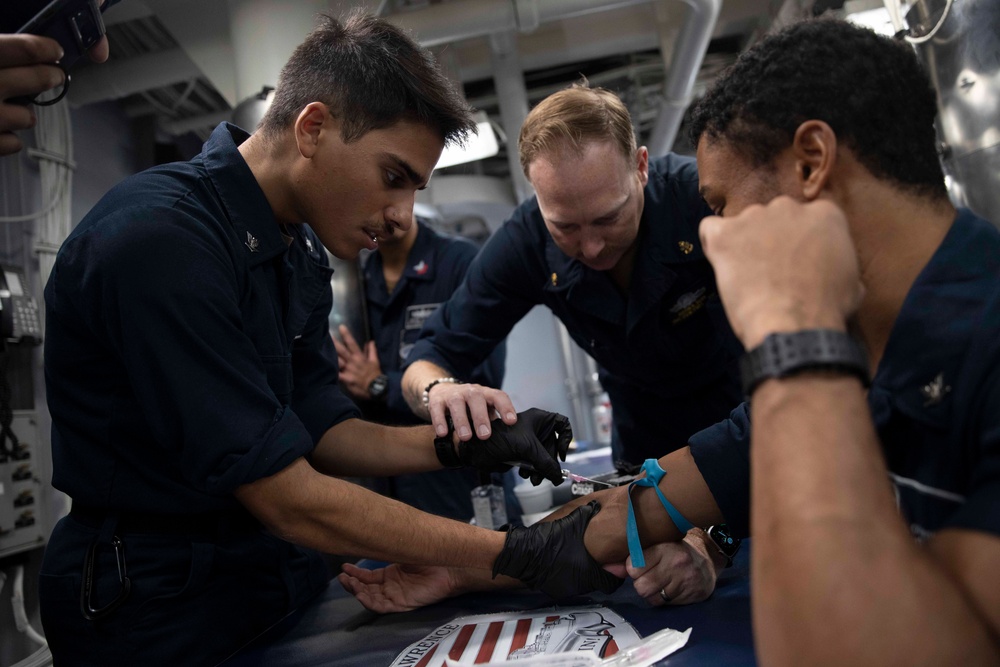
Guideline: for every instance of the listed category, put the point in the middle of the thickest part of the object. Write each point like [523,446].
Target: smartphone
[76,24]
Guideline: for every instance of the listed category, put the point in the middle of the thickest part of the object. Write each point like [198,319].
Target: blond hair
[572,117]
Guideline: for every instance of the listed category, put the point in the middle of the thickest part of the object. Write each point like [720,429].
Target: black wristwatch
[783,354]
[379,388]
[727,544]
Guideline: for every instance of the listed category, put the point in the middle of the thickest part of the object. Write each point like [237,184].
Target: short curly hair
[871,90]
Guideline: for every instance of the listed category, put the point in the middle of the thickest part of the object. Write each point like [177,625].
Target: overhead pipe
[512,96]
[452,22]
[261,44]
[685,61]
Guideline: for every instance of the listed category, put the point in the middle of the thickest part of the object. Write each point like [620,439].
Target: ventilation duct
[960,47]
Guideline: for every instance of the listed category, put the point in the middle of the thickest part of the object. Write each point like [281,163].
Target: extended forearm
[683,486]
[302,506]
[356,447]
[837,578]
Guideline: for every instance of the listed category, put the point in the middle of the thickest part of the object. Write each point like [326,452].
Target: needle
[587,480]
[568,474]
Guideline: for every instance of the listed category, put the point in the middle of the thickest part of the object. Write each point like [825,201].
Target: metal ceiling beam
[121,78]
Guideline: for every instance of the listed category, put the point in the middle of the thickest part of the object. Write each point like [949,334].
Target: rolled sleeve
[188,392]
[722,454]
[317,399]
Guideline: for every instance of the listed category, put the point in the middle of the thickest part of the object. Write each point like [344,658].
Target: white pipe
[689,52]
[454,21]
[445,23]
[20,615]
[263,42]
[550,10]
[582,423]
[508,79]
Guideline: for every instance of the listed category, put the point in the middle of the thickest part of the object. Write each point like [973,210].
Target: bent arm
[829,538]
[605,538]
[399,587]
[683,486]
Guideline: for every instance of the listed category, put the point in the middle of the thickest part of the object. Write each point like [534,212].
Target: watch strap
[784,354]
[378,389]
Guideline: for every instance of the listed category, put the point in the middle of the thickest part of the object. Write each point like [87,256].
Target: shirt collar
[249,211]
[939,321]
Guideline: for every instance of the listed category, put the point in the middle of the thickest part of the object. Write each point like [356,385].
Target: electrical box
[21,518]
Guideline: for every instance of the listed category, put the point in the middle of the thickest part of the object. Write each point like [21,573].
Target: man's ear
[642,164]
[313,120]
[815,150]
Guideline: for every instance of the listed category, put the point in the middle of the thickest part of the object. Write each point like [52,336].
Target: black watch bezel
[783,354]
[728,545]
[379,387]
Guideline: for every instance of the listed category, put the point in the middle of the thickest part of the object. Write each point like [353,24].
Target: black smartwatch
[727,544]
[783,354]
[379,388]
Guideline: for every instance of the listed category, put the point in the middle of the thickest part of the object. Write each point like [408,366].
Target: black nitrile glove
[538,438]
[550,556]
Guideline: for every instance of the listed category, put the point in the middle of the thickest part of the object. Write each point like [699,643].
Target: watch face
[728,544]
[378,386]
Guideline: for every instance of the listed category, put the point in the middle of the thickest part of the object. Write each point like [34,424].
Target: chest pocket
[689,321]
[930,467]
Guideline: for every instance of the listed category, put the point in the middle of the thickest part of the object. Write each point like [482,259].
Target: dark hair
[573,116]
[871,90]
[370,75]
